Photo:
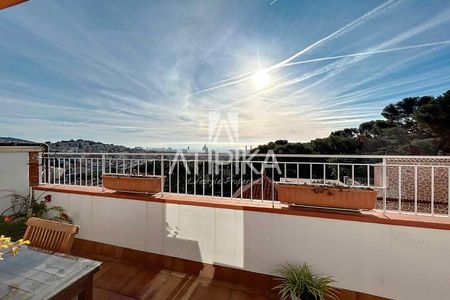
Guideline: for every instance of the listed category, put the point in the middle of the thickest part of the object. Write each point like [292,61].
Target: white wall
[391,261]
[13,175]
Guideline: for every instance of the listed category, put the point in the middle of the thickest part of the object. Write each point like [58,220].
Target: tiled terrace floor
[123,280]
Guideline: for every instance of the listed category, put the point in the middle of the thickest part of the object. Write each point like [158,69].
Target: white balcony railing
[405,184]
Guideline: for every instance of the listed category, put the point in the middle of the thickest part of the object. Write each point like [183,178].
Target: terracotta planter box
[331,197]
[130,183]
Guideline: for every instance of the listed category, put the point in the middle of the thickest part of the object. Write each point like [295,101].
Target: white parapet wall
[386,260]
[14,172]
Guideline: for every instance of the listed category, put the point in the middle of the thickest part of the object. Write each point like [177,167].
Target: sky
[152,73]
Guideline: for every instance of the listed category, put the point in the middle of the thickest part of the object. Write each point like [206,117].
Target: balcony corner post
[103,169]
[162,175]
[40,164]
[384,184]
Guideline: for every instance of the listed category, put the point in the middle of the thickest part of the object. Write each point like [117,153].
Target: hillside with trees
[412,126]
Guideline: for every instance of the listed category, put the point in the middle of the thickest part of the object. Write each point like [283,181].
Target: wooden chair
[50,235]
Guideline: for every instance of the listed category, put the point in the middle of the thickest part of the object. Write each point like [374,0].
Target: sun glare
[260,79]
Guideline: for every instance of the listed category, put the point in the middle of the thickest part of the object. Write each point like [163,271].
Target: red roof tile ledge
[436,222]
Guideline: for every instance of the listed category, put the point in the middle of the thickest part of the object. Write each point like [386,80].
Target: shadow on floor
[120,279]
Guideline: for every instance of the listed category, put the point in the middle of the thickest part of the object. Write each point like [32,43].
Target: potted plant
[327,195]
[13,219]
[300,283]
[132,183]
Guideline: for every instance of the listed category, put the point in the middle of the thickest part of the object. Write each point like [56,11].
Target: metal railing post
[273,188]
[384,185]
[162,175]
[103,167]
[448,192]
[40,162]
[47,167]
[399,188]
[432,191]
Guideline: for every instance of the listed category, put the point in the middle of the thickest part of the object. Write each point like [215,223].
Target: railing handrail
[361,156]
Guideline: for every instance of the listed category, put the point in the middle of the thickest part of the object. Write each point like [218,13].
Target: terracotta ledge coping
[216,202]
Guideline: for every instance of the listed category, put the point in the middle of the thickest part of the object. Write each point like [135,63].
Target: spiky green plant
[299,282]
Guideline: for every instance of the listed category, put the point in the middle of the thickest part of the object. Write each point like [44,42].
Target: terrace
[217,227]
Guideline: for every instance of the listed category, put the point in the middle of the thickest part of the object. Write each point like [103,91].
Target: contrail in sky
[433,44]
[342,29]
[247,76]
[368,53]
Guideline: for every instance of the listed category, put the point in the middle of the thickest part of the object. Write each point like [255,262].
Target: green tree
[414,125]
[434,118]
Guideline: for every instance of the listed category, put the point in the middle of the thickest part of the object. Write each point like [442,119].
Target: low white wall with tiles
[13,176]
[391,261]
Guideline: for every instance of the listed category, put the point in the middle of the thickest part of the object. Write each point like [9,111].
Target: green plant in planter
[300,283]
[13,219]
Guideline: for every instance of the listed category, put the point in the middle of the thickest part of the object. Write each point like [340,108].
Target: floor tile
[144,283]
[242,295]
[122,280]
[211,291]
[116,277]
[101,294]
[173,287]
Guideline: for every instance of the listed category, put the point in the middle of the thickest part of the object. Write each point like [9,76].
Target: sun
[260,79]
